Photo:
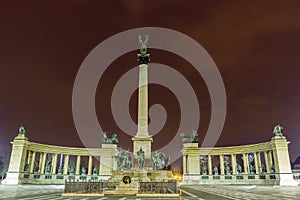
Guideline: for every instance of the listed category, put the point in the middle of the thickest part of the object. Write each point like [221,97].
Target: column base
[287,180]
[104,177]
[12,178]
[190,179]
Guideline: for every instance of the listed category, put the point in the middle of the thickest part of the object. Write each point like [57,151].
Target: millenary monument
[265,163]
[142,140]
[146,165]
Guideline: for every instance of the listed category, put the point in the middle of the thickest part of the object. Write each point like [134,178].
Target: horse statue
[195,136]
[114,138]
[190,139]
[107,140]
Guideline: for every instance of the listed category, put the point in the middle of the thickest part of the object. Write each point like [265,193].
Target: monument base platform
[142,175]
[123,189]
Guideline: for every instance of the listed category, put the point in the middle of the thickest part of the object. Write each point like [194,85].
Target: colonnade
[29,162]
[269,164]
[63,163]
[265,165]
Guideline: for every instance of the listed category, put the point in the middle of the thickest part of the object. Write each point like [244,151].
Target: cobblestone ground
[207,192]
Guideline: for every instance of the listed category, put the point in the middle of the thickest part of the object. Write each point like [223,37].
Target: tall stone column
[40,162]
[17,160]
[267,162]
[142,140]
[28,162]
[32,162]
[222,164]
[66,164]
[78,165]
[90,165]
[143,102]
[209,160]
[270,158]
[233,159]
[54,163]
[184,158]
[43,163]
[282,161]
[245,162]
[256,162]
[259,162]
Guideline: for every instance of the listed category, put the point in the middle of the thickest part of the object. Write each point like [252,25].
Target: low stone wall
[240,179]
[297,177]
[55,179]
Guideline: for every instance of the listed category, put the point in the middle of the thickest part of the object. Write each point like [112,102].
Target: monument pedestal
[142,175]
[145,145]
[282,161]
[107,162]
[124,189]
[17,160]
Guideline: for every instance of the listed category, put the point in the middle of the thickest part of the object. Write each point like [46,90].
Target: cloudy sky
[255,45]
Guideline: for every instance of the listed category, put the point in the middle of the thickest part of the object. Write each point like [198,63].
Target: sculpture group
[107,140]
[190,138]
[124,159]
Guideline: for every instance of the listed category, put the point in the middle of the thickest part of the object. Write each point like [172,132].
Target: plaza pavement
[204,192]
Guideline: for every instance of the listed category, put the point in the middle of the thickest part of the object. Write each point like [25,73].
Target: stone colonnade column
[90,165]
[245,162]
[40,162]
[66,164]
[99,165]
[184,163]
[209,165]
[259,162]
[222,164]
[28,162]
[43,163]
[256,162]
[78,165]
[32,162]
[267,162]
[54,163]
[270,158]
[233,160]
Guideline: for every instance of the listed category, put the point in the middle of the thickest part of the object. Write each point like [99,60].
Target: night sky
[255,44]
